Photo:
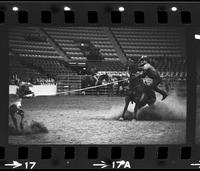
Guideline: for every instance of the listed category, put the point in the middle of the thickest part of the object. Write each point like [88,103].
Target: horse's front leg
[125,108]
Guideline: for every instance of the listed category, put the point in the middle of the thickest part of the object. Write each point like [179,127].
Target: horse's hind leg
[125,108]
[137,107]
[135,111]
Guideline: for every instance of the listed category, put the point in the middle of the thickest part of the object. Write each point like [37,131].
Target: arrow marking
[102,164]
[15,164]
[196,164]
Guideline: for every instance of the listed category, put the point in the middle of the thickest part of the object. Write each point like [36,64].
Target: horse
[23,90]
[108,80]
[139,93]
[90,81]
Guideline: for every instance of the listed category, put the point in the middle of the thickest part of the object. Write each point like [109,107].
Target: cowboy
[24,89]
[149,71]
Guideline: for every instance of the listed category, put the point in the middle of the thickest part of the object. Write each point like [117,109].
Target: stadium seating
[28,42]
[30,46]
[163,45]
[22,71]
[160,42]
[107,66]
[51,67]
[67,38]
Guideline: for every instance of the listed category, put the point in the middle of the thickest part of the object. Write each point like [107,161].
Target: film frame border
[189,152]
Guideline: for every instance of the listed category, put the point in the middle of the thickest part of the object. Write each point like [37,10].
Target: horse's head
[88,80]
[135,80]
[104,77]
[133,68]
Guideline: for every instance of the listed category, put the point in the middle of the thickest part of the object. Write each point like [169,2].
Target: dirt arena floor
[94,120]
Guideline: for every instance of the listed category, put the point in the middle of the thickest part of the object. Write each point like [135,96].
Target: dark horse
[90,81]
[139,93]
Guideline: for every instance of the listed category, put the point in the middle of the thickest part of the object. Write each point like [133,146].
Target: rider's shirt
[150,71]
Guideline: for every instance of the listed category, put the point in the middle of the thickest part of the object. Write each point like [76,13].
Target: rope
[87,88]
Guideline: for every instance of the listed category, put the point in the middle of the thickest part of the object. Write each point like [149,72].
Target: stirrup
[164,97]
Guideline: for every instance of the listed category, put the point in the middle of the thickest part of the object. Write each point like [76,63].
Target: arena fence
[71,85]
[66,84]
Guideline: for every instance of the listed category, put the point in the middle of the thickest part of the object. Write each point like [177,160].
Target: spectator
[15,80]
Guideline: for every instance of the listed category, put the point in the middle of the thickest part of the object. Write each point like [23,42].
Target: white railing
[39,90]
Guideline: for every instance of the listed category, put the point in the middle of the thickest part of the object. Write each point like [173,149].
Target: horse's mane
[135,81]
[133,67]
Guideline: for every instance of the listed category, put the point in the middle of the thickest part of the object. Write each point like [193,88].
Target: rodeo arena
[97,85]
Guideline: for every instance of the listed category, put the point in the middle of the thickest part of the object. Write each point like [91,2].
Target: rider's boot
[162,92]
[164,96]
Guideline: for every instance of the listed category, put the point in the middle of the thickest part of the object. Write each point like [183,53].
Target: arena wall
[39,90]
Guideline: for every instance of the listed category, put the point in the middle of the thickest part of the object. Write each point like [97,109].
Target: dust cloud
[172,108]
[32,127]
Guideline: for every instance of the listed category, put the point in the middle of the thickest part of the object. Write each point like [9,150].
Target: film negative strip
[104,85]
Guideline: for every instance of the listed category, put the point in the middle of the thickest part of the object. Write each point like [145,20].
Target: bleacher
[51,67]
[17,68]
[67,38]
[161,44]
[107,66]
[154,42]
[28,42]
[31,46]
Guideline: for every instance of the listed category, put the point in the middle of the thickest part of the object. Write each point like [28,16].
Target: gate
[67,83]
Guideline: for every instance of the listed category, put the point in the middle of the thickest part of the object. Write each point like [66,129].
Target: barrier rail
[48,90]
[39,90]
